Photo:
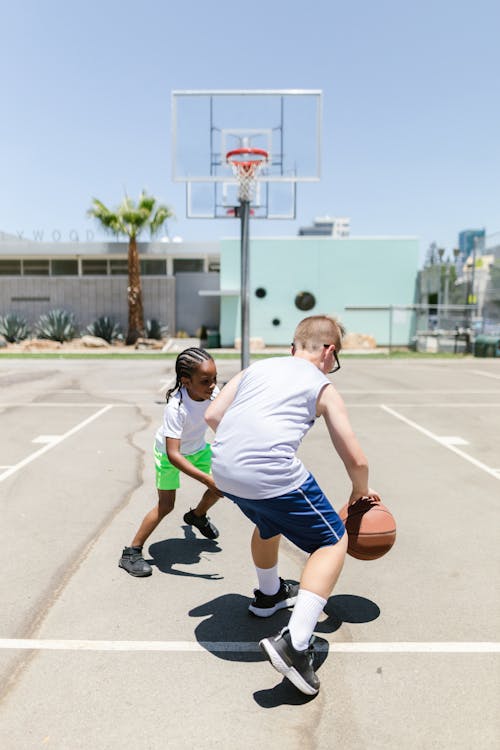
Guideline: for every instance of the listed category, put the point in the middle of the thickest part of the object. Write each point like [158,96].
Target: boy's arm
[330,405]
[222,402]
[180,462]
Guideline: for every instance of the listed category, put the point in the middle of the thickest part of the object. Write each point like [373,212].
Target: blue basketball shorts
[304,516]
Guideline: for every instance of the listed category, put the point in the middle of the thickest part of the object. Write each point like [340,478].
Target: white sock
[269,582]
[305,615]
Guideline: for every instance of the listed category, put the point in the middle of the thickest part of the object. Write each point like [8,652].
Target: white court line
[65,404]
[402,647]
[486,374]
[58,440]
[442,442]
[453,440]
[418,391]
[454,405]
[353,405]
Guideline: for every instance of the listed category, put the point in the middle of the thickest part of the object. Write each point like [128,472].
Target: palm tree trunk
[134,295]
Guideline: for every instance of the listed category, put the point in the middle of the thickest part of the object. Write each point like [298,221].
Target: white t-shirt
[253,454]
[184,419]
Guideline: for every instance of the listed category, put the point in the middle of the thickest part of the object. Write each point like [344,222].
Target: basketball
[371,529]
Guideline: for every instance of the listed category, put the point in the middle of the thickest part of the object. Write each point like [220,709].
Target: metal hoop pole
[245,295]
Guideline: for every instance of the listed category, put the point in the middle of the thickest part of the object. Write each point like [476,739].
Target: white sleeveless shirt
[258,436]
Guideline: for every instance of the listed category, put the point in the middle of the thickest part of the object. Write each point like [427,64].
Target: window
[10,267]
[36,267]
[64,268]
[184,265]
[118,267]
[154,267]
[214,266]
[94,267]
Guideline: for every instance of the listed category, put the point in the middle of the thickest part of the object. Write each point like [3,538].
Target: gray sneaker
[133,562]
[297,666]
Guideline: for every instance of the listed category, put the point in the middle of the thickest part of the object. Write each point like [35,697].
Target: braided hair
[185,364]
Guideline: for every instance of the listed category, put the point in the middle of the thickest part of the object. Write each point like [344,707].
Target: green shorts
[168,476]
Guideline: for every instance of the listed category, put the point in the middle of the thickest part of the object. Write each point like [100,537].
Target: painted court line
[453,440]
[441,441]
[486,374]
[432,404]
[50,404]
[436,647]
[350,405]
[48,446]
[418,391]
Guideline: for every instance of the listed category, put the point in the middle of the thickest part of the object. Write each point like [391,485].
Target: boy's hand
[370,495]
[209,481]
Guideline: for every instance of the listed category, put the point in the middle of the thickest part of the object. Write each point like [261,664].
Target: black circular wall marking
[305,301]
[260,292]
[276,322]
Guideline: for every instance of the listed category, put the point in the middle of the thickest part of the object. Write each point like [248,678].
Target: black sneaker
[133,562]
[297,666]
[265,606]
[202,523]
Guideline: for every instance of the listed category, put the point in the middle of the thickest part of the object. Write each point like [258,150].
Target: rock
[256,344]
[175,345]
[39,345]
[3,341]
[358,341]
[94,342]
[142,343]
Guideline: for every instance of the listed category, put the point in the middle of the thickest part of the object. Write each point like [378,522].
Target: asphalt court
[92,657]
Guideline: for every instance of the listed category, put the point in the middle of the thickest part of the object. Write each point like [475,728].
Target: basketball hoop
[246,170]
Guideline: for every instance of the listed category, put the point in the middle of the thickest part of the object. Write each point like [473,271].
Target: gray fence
[173,300]
[86,297]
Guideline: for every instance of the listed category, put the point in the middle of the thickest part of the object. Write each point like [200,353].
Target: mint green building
[342,277]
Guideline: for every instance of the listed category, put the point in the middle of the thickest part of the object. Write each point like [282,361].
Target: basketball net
[246,171]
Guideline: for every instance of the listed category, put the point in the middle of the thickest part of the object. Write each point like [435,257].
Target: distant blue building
[466,240]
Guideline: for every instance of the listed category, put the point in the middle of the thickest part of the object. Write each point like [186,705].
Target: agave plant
[13,328]
[105,328]
[155,329]
[56,325]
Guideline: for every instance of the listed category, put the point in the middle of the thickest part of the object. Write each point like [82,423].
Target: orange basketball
[371,529]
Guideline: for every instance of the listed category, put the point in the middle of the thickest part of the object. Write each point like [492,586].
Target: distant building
[467,240]
[327,226]
[492,245]
[89,279]
[357,279]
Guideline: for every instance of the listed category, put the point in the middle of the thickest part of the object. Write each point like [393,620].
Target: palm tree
[130,220]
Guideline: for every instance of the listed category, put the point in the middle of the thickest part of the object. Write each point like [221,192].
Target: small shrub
[155,329]
[56,325]
[13,328]
[105,328]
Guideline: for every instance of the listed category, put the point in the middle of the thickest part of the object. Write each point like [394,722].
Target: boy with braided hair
[180,445]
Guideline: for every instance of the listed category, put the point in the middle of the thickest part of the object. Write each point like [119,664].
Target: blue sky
[411,107]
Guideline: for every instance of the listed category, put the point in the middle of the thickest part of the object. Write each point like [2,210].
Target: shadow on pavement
[231,633]
[187,551]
